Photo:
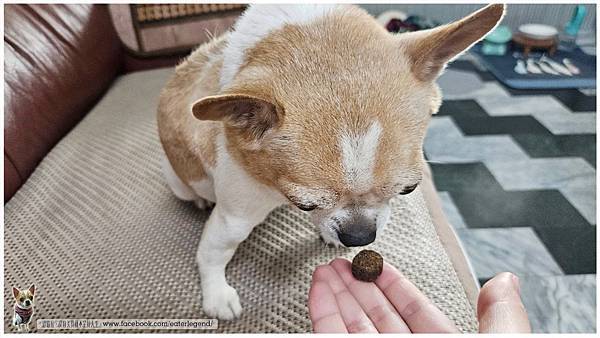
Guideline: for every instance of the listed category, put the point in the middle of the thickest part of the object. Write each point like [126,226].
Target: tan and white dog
[314,105]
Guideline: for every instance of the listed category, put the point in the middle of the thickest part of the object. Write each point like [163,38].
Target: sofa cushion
[59,60]
[97,220]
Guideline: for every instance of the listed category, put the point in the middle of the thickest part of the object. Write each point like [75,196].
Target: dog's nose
[27,302]
[360,238]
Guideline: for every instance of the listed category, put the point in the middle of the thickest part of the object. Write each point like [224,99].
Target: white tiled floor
[451,211]
[555,302]
[570,175]
[517,250]
[547,110]
[564,304]
[443,131]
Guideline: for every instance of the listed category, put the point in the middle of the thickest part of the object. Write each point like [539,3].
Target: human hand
[337,302]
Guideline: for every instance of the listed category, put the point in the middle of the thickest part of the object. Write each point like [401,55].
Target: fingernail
[516,284]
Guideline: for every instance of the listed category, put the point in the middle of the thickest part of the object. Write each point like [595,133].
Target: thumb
[499,307]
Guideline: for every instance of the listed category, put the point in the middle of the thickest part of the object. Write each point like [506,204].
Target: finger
[419,313]
[371,299]
[355,319]
[499,307]
[323,310]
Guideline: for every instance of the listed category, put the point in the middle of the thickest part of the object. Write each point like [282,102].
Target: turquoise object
[568,38]
[495,43]
[573,26]
[501,34]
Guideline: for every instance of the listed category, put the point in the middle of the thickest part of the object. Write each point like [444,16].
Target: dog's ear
[32,289]
[15,292]
[246,112]
[431,49]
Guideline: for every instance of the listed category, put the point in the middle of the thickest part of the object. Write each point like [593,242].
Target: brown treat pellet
[367,265]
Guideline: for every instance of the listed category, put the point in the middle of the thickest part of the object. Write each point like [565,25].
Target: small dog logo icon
[23,307]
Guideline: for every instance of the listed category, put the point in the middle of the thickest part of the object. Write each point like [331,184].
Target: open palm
[392,304]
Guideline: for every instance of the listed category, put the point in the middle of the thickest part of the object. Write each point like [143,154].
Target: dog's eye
[409,189]
[305,207]
[21,299]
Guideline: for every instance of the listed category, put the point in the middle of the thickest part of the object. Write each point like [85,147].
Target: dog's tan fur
[287,69]
[189,143]
[317,112]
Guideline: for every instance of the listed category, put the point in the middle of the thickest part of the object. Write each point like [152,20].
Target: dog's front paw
[221,302]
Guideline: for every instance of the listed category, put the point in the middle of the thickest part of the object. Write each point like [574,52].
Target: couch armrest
[449,239]
[59,60]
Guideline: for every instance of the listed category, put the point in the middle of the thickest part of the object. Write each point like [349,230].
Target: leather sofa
[59,61]
[87,213]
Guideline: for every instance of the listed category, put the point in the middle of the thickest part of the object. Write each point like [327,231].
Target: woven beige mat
[101,236]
